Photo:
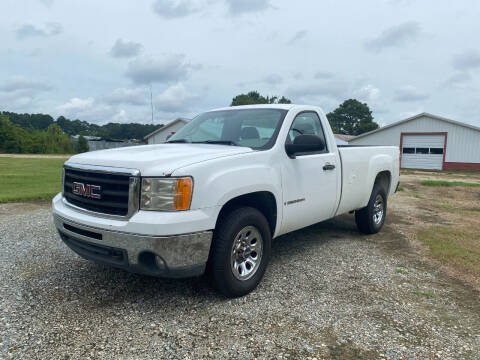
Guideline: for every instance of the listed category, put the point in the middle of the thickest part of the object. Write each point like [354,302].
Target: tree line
[110,131]
[41,134]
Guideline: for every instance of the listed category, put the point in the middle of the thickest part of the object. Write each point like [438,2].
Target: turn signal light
[183,190]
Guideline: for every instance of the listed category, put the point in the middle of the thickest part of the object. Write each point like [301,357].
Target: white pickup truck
[214,196]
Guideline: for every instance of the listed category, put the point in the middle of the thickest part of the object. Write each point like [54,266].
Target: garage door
[422,151]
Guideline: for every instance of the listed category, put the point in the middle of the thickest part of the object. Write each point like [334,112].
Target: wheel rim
[246,253]
[378,210]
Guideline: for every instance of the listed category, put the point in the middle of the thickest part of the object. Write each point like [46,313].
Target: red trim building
[428,141]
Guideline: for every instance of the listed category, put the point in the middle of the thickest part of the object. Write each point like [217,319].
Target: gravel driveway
[328,293]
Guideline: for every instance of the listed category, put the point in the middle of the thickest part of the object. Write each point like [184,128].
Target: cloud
[19,92]
[47,3]
[240,7]
[76,105]
[395,36]
[408,114]
[459,78]
[409,93]
[336,89]
[21,83]
[469,59]
[28,30]
[87,109]
[172,9]
[168,69]
[34,52]
[120,116]
[15,100]
[125,49]
[175,99]
[273,79]
[323,75]
[137,96]
[371,95]
[368,93]
[298,36]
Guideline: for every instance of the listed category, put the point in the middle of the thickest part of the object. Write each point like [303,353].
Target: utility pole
[151,101]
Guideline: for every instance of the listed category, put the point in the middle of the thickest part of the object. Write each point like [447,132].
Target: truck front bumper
[172,256]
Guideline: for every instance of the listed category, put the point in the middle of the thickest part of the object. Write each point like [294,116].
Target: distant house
[162,134]
[98,143]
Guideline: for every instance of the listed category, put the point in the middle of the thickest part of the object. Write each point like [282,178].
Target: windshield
[254,128]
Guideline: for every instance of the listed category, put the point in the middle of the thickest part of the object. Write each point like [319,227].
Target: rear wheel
[240,251]
[371,218]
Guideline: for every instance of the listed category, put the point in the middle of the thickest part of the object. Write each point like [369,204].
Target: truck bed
[360,164]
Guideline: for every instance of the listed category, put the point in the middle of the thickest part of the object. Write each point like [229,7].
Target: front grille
[99,253]
[113,193]
[83,232]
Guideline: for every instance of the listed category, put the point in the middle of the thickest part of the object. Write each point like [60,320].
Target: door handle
[328,167]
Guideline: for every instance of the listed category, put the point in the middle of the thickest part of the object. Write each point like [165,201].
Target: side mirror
[305,144]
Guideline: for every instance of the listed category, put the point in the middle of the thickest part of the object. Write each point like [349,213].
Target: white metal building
[428,141]
[161,135]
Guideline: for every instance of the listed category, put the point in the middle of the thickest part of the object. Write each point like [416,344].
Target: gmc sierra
[215,195]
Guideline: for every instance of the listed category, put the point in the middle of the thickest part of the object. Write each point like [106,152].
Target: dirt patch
[22,207]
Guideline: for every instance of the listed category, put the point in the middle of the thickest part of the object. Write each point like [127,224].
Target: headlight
[166,194]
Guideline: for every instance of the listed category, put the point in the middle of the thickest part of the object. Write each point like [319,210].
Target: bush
[14,139]
[82,145]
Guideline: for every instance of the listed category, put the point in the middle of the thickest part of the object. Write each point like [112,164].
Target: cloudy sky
[96,60]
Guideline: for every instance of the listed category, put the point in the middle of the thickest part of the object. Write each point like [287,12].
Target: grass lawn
[448,219]
[457,246]
[29,179]
[448,183]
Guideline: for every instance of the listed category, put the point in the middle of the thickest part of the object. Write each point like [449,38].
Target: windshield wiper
[178,141]
[219,142]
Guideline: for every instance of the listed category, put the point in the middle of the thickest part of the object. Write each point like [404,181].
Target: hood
[157,160]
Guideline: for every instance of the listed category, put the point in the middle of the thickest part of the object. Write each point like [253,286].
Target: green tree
[13,139]
[57,142]
[30,121]
[352,118]
[82,145]
[254,97]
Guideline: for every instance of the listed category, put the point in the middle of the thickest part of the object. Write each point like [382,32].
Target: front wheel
[371,218]
[240,252]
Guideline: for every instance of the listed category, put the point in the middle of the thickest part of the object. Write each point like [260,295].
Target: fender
[228,178]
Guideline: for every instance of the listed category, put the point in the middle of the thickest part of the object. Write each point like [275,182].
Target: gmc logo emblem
[87,190]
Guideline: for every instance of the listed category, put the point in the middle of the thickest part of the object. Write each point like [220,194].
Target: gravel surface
[328,293]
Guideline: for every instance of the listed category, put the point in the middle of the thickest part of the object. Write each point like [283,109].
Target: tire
[246,231]
[371,218]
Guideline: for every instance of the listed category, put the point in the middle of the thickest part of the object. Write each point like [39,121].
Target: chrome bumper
[167,256]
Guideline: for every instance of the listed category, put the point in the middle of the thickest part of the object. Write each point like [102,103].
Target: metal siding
[161,136]
[463,144]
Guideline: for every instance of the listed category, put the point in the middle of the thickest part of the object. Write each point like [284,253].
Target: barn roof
[184,120]
[436,117]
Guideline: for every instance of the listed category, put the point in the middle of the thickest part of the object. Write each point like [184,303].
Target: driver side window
[306,123]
